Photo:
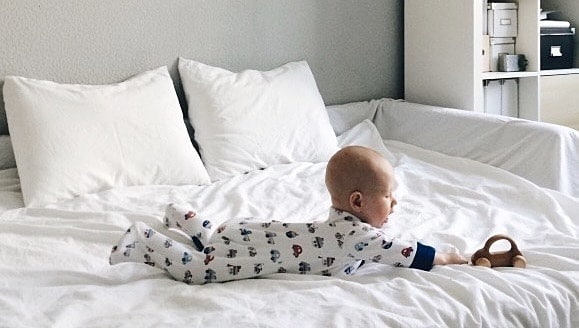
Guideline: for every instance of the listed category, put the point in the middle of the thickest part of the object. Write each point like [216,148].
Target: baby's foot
[129,249]
[176,214]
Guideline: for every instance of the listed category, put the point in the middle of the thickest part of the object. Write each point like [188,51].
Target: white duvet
[54,269]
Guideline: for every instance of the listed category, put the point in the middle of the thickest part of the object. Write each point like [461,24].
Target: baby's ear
[355,200]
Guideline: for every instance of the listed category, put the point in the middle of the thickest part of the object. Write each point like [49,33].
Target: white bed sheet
[54,269]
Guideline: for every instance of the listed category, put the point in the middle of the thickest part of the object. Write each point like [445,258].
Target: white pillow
[70,140]
[345,116]
[250,120]
[366,134]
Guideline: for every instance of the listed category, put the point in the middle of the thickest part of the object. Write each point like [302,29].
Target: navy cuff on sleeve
[424,257]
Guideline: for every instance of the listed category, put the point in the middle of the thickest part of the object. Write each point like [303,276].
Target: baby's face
[379,205]
[379,201]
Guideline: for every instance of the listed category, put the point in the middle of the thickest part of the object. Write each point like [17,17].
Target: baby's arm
[378,248]
[448,258]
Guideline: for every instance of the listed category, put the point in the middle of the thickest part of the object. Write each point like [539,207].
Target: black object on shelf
[557,48]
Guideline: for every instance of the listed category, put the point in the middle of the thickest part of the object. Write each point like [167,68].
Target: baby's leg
[142,244]
[218,262]
[185,218]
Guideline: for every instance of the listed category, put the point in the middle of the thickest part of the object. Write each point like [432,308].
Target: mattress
[54,268]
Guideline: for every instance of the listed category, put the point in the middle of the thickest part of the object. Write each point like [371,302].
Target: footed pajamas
[244,248]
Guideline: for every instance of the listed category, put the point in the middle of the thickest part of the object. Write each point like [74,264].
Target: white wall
[355,48]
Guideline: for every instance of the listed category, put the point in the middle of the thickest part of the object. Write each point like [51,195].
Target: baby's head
[360,181]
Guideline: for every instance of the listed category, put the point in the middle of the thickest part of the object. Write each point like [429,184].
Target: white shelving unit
[443,55]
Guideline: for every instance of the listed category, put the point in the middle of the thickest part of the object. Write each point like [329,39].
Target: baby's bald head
[357,169]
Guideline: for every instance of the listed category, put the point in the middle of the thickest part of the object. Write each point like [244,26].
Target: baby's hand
[449,258]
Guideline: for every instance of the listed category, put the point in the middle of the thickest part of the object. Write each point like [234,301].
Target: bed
[461,177]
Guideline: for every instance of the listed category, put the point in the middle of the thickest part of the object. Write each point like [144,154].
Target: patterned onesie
[244,248]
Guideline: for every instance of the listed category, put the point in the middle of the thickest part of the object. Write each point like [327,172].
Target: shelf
[512,75]
[507,75]
[443,51]
[559,71]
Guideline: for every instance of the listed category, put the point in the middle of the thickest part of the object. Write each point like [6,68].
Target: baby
[360,183]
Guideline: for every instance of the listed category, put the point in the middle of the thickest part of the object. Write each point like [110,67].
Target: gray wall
[354,48]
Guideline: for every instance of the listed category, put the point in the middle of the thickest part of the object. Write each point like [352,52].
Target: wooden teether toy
[510,258]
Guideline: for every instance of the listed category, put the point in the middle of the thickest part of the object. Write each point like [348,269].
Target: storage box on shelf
[500,46]
[557,48]
[501,19]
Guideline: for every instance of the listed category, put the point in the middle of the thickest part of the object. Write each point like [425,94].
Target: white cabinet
[560,99]
[443,61]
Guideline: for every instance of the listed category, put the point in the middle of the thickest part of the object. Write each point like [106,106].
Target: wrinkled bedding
[543,153]
[54,267]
